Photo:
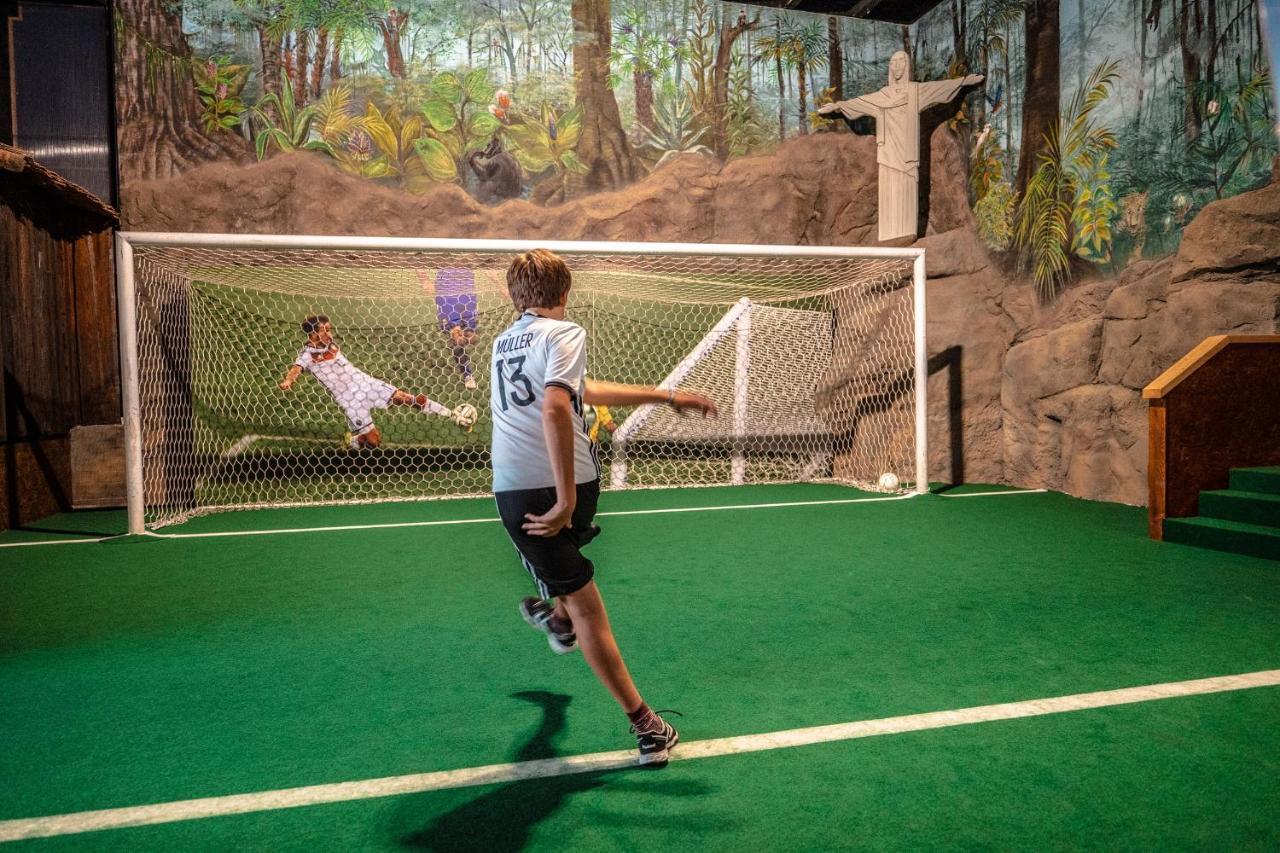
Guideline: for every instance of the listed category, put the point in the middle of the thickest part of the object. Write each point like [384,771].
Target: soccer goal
[814,355]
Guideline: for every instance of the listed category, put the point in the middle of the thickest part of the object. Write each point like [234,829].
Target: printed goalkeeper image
[639,425]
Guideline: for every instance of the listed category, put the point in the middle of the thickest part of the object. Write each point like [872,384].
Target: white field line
[58,542]
[491,519]
[311,795]
[662,511]
[994,494]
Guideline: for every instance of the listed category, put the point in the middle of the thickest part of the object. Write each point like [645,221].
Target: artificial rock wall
[1052,394]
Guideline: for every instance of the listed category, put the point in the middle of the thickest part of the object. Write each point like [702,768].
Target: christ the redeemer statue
[896,109]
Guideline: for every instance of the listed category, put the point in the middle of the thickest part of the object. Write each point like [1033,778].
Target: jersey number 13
[518,381]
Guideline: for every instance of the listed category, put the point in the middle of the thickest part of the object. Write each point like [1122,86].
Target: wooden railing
[1216,409]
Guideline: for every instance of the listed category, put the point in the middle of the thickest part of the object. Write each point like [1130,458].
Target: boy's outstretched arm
[598,393]
[557,430]
[290,377]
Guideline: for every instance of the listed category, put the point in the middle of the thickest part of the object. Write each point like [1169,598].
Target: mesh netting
[809,358]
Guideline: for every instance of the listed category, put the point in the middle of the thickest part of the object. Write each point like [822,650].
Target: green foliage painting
[1068,206]
[1137,121]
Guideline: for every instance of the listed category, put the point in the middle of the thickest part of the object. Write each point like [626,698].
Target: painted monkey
[498,175]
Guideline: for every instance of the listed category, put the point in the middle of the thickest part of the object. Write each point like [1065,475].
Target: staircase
[1243,519]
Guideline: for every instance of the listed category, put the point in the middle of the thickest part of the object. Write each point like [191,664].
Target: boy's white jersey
[534,353]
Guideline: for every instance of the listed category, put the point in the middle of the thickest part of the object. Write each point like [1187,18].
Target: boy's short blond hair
[538,279]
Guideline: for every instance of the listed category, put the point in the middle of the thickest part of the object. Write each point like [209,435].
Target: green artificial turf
[146,670]
[1187,774]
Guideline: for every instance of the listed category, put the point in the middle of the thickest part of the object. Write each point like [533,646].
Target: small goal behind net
[815,357]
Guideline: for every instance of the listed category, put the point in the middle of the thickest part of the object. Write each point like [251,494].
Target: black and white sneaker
[656,744]
[537,613]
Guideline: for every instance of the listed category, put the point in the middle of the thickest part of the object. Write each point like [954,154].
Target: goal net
[810,354]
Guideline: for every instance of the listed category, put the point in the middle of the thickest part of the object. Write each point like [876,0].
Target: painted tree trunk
[643,82]
[720,84]
[960,35]
[782,81]
[300,61]
[1190,32]
[684,31]
[980,114]
[335,62]
[835,59]
[391,28]
[801,89]
[1008,103]
[1210,66]
[1142,59]
[1041,91]
[317,65]
[603,146]
[269,43]
[159,112]
[286,60]
[1080,44]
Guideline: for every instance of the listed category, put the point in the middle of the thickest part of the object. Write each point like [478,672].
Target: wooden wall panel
[1225,415]
[35,478]
[58,354]
[1157,460]
[37,364]
[1216,408]
[99,360]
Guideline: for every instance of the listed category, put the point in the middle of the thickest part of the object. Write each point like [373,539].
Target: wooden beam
[1191,362]
[1157,444]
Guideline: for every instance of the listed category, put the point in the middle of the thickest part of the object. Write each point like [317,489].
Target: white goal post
[816,356]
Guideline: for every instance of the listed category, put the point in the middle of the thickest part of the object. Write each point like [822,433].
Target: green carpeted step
[1256,479]
[1223,535]
[1235,505]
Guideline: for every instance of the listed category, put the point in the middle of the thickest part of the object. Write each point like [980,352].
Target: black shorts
[556,563]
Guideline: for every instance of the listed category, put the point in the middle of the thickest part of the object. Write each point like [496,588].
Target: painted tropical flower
[502,103]
[360,144]
[221,91]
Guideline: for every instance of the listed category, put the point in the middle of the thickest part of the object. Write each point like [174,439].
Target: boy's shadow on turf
[504,818]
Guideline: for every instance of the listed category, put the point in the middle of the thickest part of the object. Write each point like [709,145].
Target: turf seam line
[445,522]
[337,792]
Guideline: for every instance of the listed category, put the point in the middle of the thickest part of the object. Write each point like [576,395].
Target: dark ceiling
[892,11]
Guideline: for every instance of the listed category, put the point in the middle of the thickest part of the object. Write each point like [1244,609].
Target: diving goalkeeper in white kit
[355,391]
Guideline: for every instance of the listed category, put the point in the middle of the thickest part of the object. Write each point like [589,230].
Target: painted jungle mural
[1099,130]
[1103,125]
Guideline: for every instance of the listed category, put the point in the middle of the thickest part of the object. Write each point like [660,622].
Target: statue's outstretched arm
[851,109]
[941,91]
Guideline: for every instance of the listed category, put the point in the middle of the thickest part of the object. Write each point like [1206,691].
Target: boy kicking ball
[355,391]
[546,476]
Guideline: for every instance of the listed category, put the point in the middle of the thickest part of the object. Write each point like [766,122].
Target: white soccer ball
[889,482]
[465,415]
